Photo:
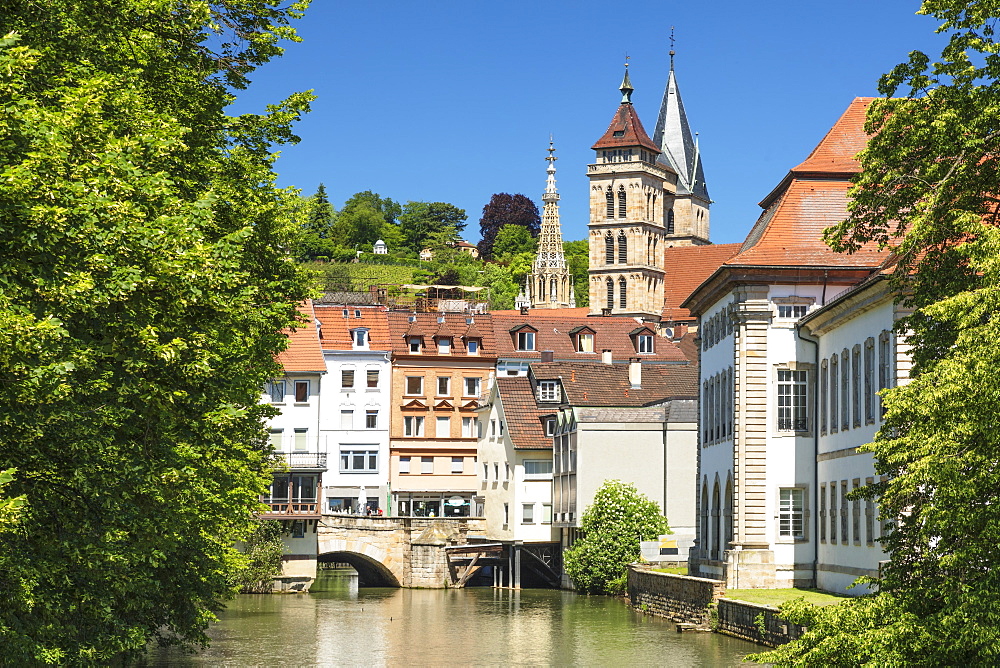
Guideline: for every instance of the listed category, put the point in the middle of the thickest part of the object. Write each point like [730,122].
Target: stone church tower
[687,223]
[631,192]
[549,285]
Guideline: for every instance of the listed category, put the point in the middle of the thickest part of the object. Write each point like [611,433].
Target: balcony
[304,461]
[283,509]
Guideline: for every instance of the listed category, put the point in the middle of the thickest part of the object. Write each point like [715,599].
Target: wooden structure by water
[512,563]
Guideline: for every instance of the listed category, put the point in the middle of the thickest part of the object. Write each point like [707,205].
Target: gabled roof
[400,328]
[336,328]
[558,334]
[303,354]
[686,268]
[608,384]
[626,130]
[524,417]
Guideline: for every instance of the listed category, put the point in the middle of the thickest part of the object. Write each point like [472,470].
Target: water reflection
[338,625]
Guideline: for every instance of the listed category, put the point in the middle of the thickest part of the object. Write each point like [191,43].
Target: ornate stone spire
[548,284]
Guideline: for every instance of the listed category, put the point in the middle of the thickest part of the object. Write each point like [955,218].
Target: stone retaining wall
[743,620]
[677,597]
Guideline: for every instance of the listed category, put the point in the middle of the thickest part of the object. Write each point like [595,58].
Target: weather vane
[671,48]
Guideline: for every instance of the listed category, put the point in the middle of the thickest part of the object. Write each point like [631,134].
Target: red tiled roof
[626,122]
[580,312]
[686,268]
[835,153]
[524,418]
[608,384]
[337,328]
[553,333]
[303,354]
[400,325]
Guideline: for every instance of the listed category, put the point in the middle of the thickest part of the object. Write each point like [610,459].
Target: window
[274,438]
[359,460]
[501,427]
[856,384]
[822,512]
[622,293]
[609,246]
[444,386]
[415,385]
[824,395]
[546,513]
[845,391]
[548,390]
[611,294]
[347,419]
[506,514]
[426,465]
[371,419]
[834,405]
[670,221]
[527,513]
[550,426]
[622,248]
[833,512]
[347,379]
[444,345]
[493,427]
[458,464]
[856,512]
[414,344]
[884,364]
[413,425]
[301,439]
[442,428]
[537,468]
[298,529]
[791,516]
[609,195]
[870,397]
[585,343]
[792,400]
[276,388]
[479,428]
[472,386]
[301,391]
[372,378]
[869,516]
[792,310]
[404,464]
[472,346]
[525,340]
[645,343]
[468,427]
[622,208]
[360,338]
[843,512]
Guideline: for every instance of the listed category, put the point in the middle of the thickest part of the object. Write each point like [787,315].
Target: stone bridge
[395,551]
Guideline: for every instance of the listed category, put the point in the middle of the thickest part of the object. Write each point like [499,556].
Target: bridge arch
[371,573]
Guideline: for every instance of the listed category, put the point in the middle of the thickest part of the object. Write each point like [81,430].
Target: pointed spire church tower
[549,285]
[629,192]
[687,222]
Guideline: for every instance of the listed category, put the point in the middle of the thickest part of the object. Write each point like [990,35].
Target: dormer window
[644,343]
[618,133]
[357,313]
[585,342]
[548,390]
[444,345]
[472,346]
[360,339]
[414,343]
[525,340]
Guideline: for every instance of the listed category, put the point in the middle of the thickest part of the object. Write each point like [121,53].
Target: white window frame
[347,419]
[469,427]
[458,464]
[276,390]
[368,379]
[526,340]
[301,439]
[548,390]
[447,386]
[359,337]
[527,513]
[427,466]
[367,452]
[295,387]
[414,343]
[444,345]
[585,342]
[371,418]
[438,431]
[413,426]
[792,515]
[645,343]
[404,464]
[471,386]
[537,469]
[420,390]
[792,401]
[347,380]
[472,346]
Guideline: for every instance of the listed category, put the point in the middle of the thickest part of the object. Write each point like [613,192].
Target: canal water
[338,624]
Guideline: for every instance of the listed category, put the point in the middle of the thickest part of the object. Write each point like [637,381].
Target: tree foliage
[262,552]
[142,297]
[612,526]
[512,240]
[504,209]
[578,262]
[433,225]
[928,191]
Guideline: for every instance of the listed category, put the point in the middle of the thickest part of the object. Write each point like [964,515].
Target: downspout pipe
[814,512]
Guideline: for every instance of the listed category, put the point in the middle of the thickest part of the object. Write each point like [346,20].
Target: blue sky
[449,101]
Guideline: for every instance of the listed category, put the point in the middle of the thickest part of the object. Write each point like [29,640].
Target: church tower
[630,190]
[549,285]
[687,222]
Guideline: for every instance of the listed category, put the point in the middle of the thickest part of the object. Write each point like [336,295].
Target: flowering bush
[612,528]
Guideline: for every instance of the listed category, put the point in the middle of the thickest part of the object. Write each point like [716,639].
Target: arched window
[622,249]
[609,248]
[622,293]
[670,221]
[540,295]
[716,522]
[611,203]
[611,293]
[706,513]
[727,514]
[621,202]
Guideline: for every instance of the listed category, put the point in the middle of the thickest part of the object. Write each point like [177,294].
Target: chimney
[524,310]
[606,356]
[547,355]
[635,373]
[606,311]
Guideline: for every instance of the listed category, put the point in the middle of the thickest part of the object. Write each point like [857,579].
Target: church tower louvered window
[611,203]
[670,221]
[622,209]
[622,249]
[609,249]
[611,293]
[622,293]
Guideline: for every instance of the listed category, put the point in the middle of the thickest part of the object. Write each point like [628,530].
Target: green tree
[10,507]
[928,191]
[318,218]
[433,225]
[578,261]
[262,551]
[512,240]
[505,209]
[142,299]
[612,527]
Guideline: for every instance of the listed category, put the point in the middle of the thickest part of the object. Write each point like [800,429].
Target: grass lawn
[679,570]
[776,597]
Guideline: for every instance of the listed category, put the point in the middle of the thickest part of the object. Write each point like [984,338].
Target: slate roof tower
[549,285]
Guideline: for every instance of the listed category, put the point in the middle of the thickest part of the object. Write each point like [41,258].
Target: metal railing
[304,460]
